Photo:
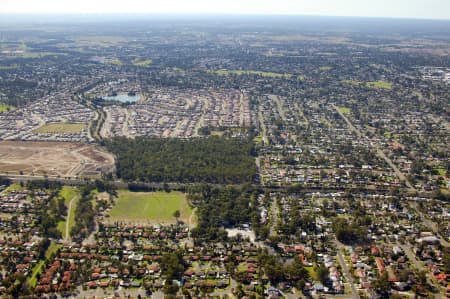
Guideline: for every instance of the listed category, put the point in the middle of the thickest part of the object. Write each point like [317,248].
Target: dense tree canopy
[277,271]
[349,232]
[84,213]
[226,207]
[212,160]
[52,210]
[173,265]
[4,181]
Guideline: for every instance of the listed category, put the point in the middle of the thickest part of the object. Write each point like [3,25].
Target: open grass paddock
[153,207]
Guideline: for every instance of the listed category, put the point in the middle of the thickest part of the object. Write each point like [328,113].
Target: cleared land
[53,159]
[150,207]
[61,128]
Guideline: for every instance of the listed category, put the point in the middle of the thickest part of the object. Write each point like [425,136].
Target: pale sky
[424,9]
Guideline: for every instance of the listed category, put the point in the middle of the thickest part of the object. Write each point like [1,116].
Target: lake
[123,98]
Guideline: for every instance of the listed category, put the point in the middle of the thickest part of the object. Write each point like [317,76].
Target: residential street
[344,267]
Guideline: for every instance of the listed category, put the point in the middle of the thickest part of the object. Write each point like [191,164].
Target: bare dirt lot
[53,159]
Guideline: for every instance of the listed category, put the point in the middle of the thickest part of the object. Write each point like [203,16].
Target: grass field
[240,73]
[217,133]
[98,41]
[61,128]
[5,107]
[115,62]
[351,82]
[8,67]
[39,267]
[68,193]
[154,207]
[380,84]
[373,84]
[344,110]
[13,187]
[325,68]
[312,272]
[38,54]
[142,63]
[258,139]
[441,171]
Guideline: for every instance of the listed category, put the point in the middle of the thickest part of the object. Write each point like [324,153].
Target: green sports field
[153,207]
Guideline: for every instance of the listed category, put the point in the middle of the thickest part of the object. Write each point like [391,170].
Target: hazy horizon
[319,20]
[400,9]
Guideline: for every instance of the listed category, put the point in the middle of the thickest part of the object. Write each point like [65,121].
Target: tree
[172,265]
[382,285]
[220,207]
[295,271]
[166,187]
[176,214]
[446,261]
[396,296]
[43,246]
[323,274]
[170,288]
[211,160]
[422,278]
[350,232]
